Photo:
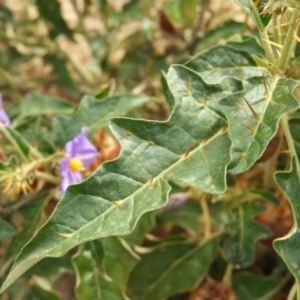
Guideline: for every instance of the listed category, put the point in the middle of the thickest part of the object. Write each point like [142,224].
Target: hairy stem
[288,42]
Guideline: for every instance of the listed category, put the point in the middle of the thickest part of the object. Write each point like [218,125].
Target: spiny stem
[264,35]
[276,30]
[267,46]
[288,42]
[289,139]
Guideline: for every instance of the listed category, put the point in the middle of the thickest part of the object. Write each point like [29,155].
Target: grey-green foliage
[194,147]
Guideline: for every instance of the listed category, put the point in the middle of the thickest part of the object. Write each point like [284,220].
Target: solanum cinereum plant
[228,102]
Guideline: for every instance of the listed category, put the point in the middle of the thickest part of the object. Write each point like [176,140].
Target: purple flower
[3,115]
[80,154]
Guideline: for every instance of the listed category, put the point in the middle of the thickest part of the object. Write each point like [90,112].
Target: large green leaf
[93,113]
[288,246]
[191,147]
[215,63]
[253,116]
[171,268]
[240,247]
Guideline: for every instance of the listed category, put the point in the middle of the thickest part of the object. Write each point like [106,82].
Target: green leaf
[32,215]
[265,194]
[93,113]
[249,44]
[181,12]
[240,247]
[6,230]
[112,200]
[37,134]
[253,116]
[288,246]
[50,11]
[108,280]
[35,104]
[215,63]
[19,143]
[171,268]
[260,20]
[226,30]
[250,286]
[42,289]
[87,275]
[103,266]
[60,69]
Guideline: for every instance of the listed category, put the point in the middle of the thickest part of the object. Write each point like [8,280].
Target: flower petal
[70,178]
[3,115]
[81,148]
[64,166]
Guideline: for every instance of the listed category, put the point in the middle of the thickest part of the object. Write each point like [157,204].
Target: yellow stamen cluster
[12,183]
[75,164]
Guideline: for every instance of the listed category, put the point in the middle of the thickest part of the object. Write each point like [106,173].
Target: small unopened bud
[175,200]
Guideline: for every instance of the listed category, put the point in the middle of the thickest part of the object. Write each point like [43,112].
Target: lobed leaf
[191,147]
[224,61]
[265,286]
[253,116]
[240,247]
[288,246]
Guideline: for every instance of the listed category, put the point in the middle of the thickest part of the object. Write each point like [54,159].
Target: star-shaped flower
[3,115]
[80,154]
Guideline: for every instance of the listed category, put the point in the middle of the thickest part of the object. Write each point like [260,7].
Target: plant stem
[293,291]
[227,274]
[276,30]
[205,216]
[267,46]
[264,35]
[47,177]
[289,139]
[288,42]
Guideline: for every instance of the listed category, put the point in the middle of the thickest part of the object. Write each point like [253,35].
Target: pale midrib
[182,158]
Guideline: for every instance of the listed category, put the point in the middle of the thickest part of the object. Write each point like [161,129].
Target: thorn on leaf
[257,117]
